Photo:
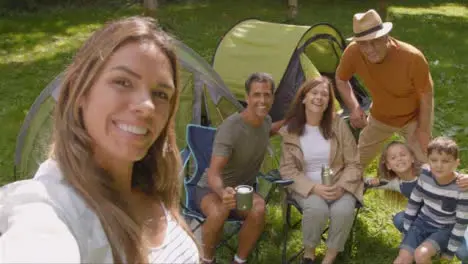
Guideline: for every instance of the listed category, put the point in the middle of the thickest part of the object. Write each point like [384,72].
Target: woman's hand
[326,192]
[340,191]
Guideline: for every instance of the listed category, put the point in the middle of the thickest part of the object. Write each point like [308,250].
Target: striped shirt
[177,246]
[442,206]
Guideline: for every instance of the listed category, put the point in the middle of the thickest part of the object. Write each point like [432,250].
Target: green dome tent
[204,96]
[290,53]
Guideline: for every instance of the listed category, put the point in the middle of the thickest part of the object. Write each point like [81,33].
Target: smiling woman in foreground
[109,191]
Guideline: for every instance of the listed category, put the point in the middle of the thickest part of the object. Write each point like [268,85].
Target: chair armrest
[274,177]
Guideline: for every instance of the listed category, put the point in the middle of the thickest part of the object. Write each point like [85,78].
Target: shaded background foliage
[35,5]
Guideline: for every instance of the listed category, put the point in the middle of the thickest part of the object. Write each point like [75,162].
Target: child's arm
[392,185]
[458,230]
[414,204]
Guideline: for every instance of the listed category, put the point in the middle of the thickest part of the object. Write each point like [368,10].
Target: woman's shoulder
[39,188]
[49,198]
[340,125]
[338,120]
[47,187]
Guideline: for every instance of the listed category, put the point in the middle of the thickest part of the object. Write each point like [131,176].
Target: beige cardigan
[344,161]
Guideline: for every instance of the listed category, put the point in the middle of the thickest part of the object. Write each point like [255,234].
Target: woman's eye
[123,83]
[160,94]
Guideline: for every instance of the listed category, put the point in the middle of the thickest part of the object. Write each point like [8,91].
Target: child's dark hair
[384,172]
[443,145]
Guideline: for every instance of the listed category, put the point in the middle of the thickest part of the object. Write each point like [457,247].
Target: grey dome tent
[204,96]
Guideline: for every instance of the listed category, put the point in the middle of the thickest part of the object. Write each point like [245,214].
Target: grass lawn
[36,47]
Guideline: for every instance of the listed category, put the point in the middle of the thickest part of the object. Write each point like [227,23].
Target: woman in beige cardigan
[315,135]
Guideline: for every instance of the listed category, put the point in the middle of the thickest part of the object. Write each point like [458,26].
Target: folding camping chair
[200,143]
[288,224]
[290,203]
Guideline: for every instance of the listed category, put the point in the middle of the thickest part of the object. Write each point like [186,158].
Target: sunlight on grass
[51,47]
[453,10]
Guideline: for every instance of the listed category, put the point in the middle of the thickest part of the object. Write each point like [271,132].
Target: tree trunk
[293,9]
[383,5]
[150,7]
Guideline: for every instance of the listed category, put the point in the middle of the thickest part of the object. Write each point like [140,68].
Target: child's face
[442,164]
[399,159]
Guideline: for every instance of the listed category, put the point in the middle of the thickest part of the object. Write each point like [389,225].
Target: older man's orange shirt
[396,84]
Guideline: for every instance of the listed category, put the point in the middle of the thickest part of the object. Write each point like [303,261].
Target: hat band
[370,30]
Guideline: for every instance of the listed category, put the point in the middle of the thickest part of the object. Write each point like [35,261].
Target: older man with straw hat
[398,79]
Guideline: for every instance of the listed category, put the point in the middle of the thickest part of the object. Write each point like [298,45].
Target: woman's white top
[43,220]
[316,151]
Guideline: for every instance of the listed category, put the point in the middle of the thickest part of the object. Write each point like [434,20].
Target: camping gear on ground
[290,53]
[204,96]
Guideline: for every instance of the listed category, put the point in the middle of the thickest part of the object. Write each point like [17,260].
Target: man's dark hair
[443,145]
[261,77]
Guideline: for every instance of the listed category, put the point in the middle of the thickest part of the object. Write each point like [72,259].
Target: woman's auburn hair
[296,115]
[156,174]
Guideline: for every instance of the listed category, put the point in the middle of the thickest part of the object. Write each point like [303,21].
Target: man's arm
[346,92]
[425,119]
[276,126]
[357,115]
[214,173]
[422,81]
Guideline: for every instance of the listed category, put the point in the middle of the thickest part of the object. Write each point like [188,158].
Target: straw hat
[368,25]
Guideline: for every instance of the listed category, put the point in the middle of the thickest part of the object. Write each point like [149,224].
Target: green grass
[36,47]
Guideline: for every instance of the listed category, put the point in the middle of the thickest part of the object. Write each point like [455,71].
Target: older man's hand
[462,182]
[422,137]
[358,118]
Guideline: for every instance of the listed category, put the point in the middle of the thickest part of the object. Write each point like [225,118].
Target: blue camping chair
[200,144]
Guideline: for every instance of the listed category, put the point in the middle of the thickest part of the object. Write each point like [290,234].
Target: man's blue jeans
[462,252]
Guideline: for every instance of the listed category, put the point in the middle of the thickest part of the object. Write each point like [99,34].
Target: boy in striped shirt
[437,212]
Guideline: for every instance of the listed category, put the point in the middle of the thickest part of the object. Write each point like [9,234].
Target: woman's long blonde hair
[156,174]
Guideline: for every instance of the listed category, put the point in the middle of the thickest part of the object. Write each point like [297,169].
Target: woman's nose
[144,104]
